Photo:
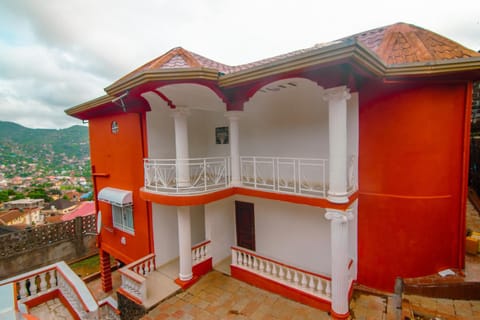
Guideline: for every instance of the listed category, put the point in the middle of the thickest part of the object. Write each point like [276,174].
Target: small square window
[123,218]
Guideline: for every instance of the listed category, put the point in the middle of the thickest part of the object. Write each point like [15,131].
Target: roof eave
[159,75]
[316,57]
[74,111]
[434,68]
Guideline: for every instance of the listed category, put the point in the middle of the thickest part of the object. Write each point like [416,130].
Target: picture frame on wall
[221,135]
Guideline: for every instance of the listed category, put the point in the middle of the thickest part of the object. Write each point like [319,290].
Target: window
[123,218]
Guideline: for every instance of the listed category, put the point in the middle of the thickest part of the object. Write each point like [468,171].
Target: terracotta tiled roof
[395,44]
[178,58]
[12,215]
[406,43]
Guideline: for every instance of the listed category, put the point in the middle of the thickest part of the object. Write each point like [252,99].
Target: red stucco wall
[121,157]
[411,180]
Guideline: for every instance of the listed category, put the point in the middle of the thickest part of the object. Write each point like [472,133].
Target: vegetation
[25,151]
[89,266]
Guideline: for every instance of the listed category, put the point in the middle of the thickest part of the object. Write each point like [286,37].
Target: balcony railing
[303,176]
[296,278]
[134,277]
[31,286]
[290,175]
[199,175]
[200,252]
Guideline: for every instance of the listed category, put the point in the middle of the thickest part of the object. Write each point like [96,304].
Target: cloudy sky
[56,54]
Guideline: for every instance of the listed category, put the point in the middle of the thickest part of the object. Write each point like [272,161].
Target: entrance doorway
[245,225]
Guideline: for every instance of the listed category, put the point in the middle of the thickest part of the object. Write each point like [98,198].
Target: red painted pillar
[105,271]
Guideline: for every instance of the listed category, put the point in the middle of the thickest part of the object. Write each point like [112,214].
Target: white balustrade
[134,284]
[58,276]
[200,252]
[290,175]
[205,174]
[134,276]
[304,176]
[143,266]
[305,281]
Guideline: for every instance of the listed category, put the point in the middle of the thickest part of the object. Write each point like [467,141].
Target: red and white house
[342,162]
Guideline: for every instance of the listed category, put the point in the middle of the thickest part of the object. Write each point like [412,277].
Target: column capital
[336,93]
[339,215]
[233,115]
[180,111]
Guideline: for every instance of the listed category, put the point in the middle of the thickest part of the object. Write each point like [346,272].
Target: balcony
[188,176]
[299,176]
[32,289]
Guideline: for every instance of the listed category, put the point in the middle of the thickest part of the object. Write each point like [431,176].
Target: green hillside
[53,151]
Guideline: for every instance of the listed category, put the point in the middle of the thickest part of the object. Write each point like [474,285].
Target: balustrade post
[43,281]
[33,285]
[311,283]
[320,285]
[53,280]
[23,288]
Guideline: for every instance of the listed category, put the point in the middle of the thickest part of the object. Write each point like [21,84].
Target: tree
[4,196]
[39,193]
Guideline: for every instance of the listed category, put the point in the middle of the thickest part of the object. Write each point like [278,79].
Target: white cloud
[56,54]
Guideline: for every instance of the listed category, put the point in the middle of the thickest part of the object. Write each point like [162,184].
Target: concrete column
[233,117]
[184,243]
[337,132]
[340,259]
[180,115]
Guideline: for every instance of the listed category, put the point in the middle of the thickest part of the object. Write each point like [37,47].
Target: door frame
[249,208]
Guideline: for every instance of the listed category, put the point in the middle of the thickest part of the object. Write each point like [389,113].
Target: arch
[281,86]
[237,97]
[191,94]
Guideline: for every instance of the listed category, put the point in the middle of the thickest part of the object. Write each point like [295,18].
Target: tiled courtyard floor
[218,296]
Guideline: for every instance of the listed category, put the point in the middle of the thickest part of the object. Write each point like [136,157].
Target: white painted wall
[298,235]
[292,122]
[197,221]
[220,228]
[201,132]
[160,129]
[165,233]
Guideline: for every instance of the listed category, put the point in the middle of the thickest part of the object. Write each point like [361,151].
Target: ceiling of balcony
[193,96]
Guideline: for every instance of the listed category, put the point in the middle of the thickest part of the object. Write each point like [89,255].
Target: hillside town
[32,199]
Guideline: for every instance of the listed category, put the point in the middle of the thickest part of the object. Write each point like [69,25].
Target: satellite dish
[99,221]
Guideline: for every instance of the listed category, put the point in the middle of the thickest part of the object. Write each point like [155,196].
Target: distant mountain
[53,151]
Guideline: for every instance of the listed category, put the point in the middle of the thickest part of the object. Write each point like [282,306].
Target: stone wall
[129,310]
[36,247]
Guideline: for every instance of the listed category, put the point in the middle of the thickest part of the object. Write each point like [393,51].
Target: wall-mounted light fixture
[119,101]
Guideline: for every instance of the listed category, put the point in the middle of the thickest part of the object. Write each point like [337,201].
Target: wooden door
[245,224]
